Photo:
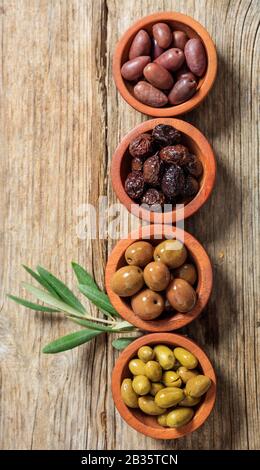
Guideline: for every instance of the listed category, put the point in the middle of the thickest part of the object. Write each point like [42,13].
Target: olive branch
[60,299]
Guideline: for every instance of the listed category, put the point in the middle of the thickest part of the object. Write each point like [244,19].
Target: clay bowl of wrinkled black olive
[163,170]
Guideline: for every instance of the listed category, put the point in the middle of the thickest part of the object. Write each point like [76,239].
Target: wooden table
[61,119]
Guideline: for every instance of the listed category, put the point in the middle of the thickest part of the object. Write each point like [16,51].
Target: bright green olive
[141,385]
[171,252]
[162,420]
[153,371]
[197,386]
[145,353]
[189,401]
[128,394]
[171,379]
[155,387]
[137,367]
[148,406]
[169,396]
[186,374]
[186,358]
[164,356]
[179,417]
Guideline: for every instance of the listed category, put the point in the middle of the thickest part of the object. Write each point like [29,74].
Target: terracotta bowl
[197,144]
[176,21]
[155,234]
[148,424]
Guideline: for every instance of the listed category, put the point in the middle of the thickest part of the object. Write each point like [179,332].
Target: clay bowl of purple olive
[165,64]
[163,170]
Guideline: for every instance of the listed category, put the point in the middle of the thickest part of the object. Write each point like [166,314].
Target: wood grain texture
[61,120]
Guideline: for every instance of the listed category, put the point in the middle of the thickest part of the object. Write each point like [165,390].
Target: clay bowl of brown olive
[163,170]
[165,64]
[159,278]
[169,392]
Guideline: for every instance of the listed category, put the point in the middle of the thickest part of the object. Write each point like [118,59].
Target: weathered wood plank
[61,119]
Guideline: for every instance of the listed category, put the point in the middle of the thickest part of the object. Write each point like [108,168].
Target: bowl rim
[204,287]
[208,79]
[203,411]
[209,172]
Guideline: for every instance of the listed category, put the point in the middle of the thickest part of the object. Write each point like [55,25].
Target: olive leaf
[61,299]
[64,292]
[122,343]
[70,341]
[98,298]
[49,299]
[31,305]
[41,281]
[90,324]
[123,325]
[83,276]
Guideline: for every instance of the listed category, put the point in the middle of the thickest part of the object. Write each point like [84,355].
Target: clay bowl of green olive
[164,385]
[159,278]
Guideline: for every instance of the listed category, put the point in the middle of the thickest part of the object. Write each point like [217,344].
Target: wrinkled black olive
[166,135]
[134,184]
[173,182]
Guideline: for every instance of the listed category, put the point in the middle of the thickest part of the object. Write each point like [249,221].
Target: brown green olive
[155,387]
[186,374]
[189,401]
[164,356]
[127,281]
[181,295]
[145,353]
[139,254]
[186,358]
[141,384]
[171,379]
[149,407]
[137,367]
[156,276]
[147,304]
[169,396]
[179,417]
[171,252]
[197,386]
[129,396]
[162,419]
[153,371]
[187,272]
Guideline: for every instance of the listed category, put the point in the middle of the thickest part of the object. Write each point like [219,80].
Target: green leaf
[122,343]
[83,276]
[64,292]
[99,298]
[31,305]
[70,341]
[49,299]
[123,325]
[41,281]
[90,324]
